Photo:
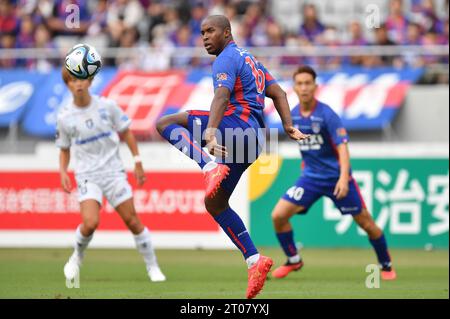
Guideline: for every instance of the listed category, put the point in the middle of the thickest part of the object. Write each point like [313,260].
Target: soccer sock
[235,229]
[145,247]
[183,140]
[81,242]
[382,252]
[286,240]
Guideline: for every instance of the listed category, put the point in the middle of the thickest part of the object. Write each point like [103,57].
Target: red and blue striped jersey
[247,79]
[319,152]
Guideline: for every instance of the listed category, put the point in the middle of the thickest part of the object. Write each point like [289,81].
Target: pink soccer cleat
[214,178]
[287,268]
[257,275]
[388,274]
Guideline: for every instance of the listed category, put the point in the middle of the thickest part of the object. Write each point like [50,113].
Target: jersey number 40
[260,78]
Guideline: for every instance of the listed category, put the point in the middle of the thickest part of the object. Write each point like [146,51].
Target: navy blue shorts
[307,191]
[243,149]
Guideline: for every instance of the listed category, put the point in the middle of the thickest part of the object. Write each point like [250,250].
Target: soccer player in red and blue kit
[240,86]
[326,172]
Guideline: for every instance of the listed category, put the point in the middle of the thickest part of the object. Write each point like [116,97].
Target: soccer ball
[83,61]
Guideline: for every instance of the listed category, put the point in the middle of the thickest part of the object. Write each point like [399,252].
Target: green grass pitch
[193,274]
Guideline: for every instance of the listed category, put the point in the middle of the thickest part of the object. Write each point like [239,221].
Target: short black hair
[220,21]
[305,69]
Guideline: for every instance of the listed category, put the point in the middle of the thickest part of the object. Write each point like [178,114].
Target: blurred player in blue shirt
[241,84]
[326,172]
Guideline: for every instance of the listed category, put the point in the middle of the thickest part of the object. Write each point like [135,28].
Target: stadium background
[383,66]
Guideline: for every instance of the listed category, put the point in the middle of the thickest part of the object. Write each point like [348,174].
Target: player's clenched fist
[66,183]
[295,134]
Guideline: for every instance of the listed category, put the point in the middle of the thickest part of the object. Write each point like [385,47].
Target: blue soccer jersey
[319,152]
[247,80]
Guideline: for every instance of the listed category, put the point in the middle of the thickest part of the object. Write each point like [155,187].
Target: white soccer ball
[83,61]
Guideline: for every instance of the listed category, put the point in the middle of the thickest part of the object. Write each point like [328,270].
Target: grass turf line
[222,274]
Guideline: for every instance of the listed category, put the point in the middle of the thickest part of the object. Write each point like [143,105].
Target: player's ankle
[252,260]
[294,259]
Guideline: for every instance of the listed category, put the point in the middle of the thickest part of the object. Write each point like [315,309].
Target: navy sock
[183,140]
[287,243]
[382,252]
[233,226]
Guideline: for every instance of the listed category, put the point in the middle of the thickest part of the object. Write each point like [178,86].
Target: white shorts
[114,187]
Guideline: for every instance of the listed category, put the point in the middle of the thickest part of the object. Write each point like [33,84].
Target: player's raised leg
[258,266]
[174,128]
[281,215]
[90,212]
[378,241]
[142,237]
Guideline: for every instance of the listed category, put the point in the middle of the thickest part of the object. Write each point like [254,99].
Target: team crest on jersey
[221,77]
[315,127]
[89,123]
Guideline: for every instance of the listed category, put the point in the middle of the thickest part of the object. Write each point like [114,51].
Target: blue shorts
[307,191]
[243,150]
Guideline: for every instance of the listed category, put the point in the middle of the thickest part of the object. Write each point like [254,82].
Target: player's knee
[215,207]
[366,223]
[278,218]
[162,123]
[90,225]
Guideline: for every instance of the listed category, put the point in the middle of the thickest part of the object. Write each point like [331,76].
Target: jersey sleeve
[336,129]
[62,136]
[120,120]
[224,73]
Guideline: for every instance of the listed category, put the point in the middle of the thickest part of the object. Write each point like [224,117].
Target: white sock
[294,259]
[81,242]
[145,247]
[209,166]
[252,260]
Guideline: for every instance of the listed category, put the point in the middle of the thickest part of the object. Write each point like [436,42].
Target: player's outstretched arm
[218,107]
[279,97]
[64,159]
[130,140]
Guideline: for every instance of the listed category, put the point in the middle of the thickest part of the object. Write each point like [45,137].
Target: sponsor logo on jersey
[313,143]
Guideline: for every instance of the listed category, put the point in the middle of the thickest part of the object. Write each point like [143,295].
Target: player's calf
[134,225]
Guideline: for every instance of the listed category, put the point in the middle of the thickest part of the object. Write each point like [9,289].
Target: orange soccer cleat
[257,275]
[287,268]
[214,178]
[388,274]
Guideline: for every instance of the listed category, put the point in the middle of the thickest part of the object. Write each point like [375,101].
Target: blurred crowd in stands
[169,26]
